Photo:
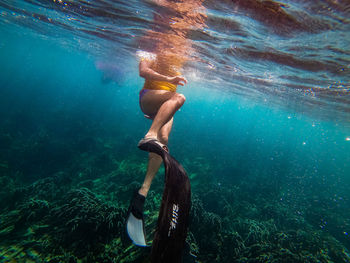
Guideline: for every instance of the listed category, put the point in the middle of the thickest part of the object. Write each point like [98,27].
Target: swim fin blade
[135,229]
[173,219]
[135,226]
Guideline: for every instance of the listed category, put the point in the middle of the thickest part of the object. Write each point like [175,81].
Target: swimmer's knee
[183,98]
[180,99]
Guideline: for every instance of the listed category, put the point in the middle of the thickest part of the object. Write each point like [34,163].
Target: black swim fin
[173,216]
[135,226]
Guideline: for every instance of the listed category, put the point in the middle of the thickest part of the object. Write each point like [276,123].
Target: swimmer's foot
[144,144]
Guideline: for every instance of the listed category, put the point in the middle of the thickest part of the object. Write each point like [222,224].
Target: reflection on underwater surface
[294,50]
[264,134]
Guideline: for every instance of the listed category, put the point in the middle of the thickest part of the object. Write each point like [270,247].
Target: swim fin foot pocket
[135,222]
[150,144]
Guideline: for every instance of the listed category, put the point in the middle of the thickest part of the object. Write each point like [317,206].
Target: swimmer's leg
[163,104]
[165,114]
[135,221]
[154,160]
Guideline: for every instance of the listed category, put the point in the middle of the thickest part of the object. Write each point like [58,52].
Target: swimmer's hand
[177,80]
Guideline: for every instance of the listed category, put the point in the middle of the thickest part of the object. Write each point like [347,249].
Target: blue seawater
[264,133]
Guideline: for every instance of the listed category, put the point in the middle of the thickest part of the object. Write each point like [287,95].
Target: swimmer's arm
[146,72]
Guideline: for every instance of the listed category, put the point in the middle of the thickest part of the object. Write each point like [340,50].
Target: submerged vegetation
[79,217]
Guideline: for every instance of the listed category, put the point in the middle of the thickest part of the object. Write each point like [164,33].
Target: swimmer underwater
[159,101]
[171,48]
